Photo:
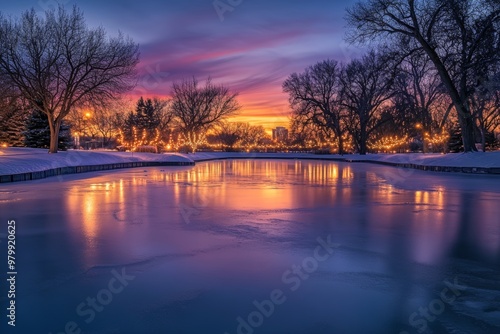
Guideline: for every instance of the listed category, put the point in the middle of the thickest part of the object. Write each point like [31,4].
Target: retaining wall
[85,169]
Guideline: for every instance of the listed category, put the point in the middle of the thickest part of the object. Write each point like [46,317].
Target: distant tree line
[432,76]
[54,64]
[236,136]
[429,82]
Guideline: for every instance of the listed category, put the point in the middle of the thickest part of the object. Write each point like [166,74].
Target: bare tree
[308,134]
[366,87]
[228,134]
[165,117]
[486,111]
[196,109]
[420,100]
[418,87]
[313,96]
[253,135]
[460,37]
[57,63]
[104,119]
[105,124]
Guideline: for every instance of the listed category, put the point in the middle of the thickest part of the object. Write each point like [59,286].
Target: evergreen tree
[37,132]
[147,121]
[141,126]
[128,128]
[455,143]
[492,142]
[12,125]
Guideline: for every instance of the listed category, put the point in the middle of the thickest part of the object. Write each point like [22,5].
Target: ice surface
[204,242]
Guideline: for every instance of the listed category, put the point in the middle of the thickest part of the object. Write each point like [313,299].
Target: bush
[146,149]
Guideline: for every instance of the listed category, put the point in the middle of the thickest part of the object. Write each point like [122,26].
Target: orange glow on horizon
[268,117]
[260,106]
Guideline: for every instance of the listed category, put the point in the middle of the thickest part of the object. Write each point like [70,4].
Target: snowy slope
[477,159]
[26,160]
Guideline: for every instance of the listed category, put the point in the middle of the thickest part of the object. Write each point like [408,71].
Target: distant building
[280,134]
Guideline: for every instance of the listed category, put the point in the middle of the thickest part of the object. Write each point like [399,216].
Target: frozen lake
[265,246]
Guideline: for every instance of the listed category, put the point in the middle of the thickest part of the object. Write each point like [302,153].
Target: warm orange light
[87,114]
[4,145]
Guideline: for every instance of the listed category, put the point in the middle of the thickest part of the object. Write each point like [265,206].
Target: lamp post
[77,140]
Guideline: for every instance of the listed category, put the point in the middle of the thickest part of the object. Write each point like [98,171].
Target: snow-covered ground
[26,160]
[477,159]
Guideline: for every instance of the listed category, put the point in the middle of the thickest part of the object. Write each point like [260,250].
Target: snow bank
[476,159]
[27,160]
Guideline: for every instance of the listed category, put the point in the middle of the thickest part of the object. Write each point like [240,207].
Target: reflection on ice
[205,242]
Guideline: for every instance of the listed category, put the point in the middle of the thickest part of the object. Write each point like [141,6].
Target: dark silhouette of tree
[417,92]
[57,63]
[228,134]
[460,37]
[13,119]
[252,136]
[38,135]
[307,134]
[148,124]
[485,105]
[366,87]
[196,109]
[236,135]
[313,96]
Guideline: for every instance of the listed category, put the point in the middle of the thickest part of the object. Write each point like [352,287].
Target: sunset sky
[251,49]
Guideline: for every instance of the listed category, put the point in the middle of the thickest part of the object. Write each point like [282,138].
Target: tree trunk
[54,126]
[363,138]
[362,147]
[362,142]
[424,146]
[341,145]
[482,128]
[459,101]
[467,129]
[483,139]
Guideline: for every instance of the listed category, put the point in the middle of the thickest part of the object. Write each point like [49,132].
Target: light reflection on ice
[249,221]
